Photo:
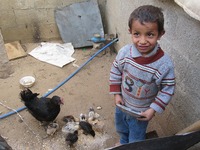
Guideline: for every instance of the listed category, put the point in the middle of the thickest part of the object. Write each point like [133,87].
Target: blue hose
[67,79]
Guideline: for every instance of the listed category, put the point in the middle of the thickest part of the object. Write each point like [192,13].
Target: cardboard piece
[14,50]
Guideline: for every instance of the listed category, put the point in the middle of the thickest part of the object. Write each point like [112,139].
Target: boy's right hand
[118,99]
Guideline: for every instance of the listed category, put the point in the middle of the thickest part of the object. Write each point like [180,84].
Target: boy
[142,75]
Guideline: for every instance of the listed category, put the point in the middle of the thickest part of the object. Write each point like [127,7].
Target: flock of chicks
[46,110]
[73,125]
[84,123]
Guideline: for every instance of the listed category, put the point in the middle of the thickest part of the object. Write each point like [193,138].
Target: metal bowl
[27,81]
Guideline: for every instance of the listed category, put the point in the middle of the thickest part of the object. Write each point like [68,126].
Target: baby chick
[91,114]
[86,126]
[70,130]
[52,128]
[68,118]
[70,127]
[71,138]
[82,117]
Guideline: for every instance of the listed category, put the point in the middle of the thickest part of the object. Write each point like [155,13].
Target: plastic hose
[67,79]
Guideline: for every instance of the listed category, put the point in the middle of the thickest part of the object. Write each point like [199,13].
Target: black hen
[43,109]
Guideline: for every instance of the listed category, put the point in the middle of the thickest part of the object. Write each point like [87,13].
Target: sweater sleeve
[116,73]
[166,84]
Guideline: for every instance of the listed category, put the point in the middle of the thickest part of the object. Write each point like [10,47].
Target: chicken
[70,130]
[83,117]
[91,114]
[70,127]
[86,126]
[52,128]
[68,118]
[71,138]
[43,109]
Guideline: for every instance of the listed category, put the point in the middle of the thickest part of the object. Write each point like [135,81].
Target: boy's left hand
[147,115]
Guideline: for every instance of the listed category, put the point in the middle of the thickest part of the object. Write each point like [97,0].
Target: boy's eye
[150,34]
[136,34]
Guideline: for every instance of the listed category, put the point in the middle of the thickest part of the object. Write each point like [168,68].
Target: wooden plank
[194,127]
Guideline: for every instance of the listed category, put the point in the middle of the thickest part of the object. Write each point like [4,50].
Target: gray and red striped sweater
[143,82]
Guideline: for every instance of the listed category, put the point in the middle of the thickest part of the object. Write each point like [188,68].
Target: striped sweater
[143,82]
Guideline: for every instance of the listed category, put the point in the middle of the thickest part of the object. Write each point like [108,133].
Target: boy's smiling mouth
[143,48]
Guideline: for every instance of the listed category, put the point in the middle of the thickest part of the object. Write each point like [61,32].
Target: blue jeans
[129,128]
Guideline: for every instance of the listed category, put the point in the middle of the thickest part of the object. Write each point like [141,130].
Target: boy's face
[145,36]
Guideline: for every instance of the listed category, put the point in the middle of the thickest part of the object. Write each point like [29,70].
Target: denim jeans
[129,128]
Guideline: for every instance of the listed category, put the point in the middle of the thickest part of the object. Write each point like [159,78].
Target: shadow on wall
[37,33]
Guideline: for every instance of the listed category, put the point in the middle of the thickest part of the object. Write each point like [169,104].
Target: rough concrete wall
[30,20]
[33,20]
[181,42]
[5,66]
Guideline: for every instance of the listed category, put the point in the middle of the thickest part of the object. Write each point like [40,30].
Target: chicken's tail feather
[27,94]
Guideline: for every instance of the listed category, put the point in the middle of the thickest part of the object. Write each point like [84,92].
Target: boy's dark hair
[148,13]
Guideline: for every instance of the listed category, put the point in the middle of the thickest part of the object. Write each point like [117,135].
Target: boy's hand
[148,114]
[118,99]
